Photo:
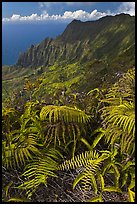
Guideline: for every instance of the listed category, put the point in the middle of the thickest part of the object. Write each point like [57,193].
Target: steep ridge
[87,55]
[106,38]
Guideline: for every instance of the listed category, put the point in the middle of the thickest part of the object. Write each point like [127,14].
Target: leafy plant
[120,118]
[91,164]
[33,135]
[38,170]
[63,121]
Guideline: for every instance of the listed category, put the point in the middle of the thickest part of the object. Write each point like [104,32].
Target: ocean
[16,38]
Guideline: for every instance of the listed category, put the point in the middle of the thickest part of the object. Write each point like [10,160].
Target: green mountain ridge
[82,41]
[85,56]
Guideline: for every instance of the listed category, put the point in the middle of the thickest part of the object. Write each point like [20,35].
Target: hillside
[68,116]
[86,55]
[107,37]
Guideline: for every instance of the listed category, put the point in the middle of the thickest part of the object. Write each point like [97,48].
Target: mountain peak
[76,21]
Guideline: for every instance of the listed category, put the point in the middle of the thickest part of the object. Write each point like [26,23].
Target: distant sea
[16,38]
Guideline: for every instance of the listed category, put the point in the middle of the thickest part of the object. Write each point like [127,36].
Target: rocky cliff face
[106,38]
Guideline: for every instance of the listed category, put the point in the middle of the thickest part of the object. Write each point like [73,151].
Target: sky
[35,12]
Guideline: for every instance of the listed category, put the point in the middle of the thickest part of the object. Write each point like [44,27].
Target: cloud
[83,15]
[67,16]
[125,7]
[16,18]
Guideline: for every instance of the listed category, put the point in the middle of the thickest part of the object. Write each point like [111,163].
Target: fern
[16,153]
[63,124]
[120,121]
[90,162]
[93,92]
[124,88]
[96,199]
[119,115]
[112,189]
[7,111]
[21,144]
[38,171]
[131,195]
[63,113]
[18,200]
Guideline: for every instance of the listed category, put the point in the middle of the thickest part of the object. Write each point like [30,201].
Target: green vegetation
[106,38]
[41,140]
[68,116]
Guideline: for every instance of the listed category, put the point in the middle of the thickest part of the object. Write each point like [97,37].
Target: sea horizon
[17,38]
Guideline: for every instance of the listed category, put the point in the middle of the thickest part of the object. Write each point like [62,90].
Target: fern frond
[131,195]
[18,200]
[7,111]
[39,170]
[98,138]
[63,124]
[102,183]
[124,179]
[112,189]
[122,119]
[96,90]
[78,179]
[86,143]
[63,113]
[96,199]
[90,162]
[17,153]
[79,160]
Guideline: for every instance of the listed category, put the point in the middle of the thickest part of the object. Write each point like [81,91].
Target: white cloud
[128,8]
[68,15]
[125,7]
[83,15]
[15,17]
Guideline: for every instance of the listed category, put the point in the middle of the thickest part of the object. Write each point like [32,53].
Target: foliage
[78,99]
[40,137]
[118,121]
[19,140]
[90,163]
[119,114]
[38,171]
[63,121]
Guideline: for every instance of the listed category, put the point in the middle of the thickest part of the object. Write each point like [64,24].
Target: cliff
[106,38]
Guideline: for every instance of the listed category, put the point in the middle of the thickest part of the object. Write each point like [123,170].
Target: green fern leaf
[18,200]
[101,182]
[94,90]
[86,143]
[124,179]
[96,199]
[112,189]
[132,183]
[93,181]
[128,164]
[78,179]
[131,195]
[96,140]
[63,113]
[117,174]
[7,188]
